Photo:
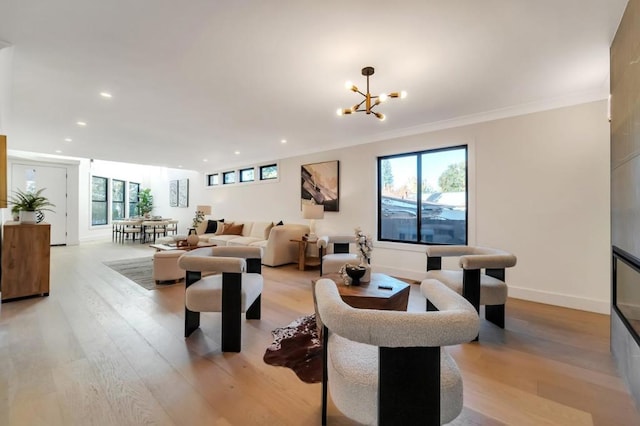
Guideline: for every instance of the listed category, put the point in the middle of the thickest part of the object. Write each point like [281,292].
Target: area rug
[139,270]
[297,346]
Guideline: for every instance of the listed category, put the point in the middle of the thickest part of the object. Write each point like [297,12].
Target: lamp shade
[206,210]
[313,211]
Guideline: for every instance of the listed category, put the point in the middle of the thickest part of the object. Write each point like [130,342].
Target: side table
[303,259]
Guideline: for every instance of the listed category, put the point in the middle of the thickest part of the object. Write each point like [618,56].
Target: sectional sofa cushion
[212,227]
[260,230]
[275,241]
[203,227]
[233,229]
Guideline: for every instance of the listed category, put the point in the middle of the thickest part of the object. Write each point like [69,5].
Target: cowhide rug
[297,346]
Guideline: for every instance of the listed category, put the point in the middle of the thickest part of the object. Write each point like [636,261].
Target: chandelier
[369,102]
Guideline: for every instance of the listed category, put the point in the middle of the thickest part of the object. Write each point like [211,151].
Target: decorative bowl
[355,273]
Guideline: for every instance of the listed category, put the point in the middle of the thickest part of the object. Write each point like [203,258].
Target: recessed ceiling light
[68,139]
[283,141]
[237,152]
[205,160]
[81,123]
[179,166]
[106,95]
[58,151]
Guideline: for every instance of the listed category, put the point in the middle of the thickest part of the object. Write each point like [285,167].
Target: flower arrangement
[364,244]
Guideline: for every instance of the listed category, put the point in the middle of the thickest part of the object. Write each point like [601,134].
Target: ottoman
[165,266]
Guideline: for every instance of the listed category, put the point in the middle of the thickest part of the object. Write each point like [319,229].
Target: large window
[134,190]
[99,206]
[433,183]
[117,199]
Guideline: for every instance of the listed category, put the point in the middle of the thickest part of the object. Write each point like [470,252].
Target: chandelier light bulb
[383,97]
[403,94]
[380,116]
[339,111]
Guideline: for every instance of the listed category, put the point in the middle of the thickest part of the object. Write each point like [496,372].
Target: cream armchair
[388,367]
[488,288]
[331,262]
[235,290]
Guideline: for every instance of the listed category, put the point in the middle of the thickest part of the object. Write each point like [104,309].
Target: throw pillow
[220,227]
[212,227]
[267,231]
[233,229]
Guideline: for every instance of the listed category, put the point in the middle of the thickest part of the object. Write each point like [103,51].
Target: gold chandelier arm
[357,106]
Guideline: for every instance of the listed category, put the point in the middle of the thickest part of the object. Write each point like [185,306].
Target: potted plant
[29,203]
[145,202]
[15,213]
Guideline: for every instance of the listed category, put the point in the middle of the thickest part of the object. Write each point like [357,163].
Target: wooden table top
[370,295]
[166,247]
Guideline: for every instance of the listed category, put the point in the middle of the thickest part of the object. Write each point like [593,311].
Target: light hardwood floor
[101,350]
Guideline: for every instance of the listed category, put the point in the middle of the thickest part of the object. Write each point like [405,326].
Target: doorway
[31,177]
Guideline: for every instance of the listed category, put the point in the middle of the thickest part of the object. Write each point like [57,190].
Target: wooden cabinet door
[25,260]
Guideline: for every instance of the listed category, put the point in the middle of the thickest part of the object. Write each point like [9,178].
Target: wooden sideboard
[25,260]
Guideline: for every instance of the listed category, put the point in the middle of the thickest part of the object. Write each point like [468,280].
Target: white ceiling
[201,78]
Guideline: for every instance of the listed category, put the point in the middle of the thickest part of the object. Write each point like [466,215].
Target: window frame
[229,173]
[419,201]
[261,172]
[247,169]
[115,202]
[132,211]
[105,201]
[213,179]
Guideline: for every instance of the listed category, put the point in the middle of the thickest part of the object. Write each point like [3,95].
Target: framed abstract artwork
[173,193]
[320,182]
[183,193]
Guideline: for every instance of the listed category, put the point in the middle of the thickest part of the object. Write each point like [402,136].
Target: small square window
[247,175]
[228,177]
[269,172]
[213,179]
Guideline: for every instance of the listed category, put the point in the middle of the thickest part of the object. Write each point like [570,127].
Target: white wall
[6,56]
[539,187]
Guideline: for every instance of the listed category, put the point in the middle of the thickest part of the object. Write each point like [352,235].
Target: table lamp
[312,212]
[206,210]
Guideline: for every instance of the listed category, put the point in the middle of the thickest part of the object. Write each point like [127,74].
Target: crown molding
[497,114]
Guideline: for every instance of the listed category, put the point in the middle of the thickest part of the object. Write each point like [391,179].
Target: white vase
[28,216]
[367,275]
[364,262]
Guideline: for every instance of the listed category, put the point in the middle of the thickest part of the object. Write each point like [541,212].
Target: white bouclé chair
[488,288]
[388,367]
[235,289]
[331,262]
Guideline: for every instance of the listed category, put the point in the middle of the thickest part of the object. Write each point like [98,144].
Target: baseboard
[564,300]
[539,296]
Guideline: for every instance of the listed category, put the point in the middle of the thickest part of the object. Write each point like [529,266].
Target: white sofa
[275,240]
